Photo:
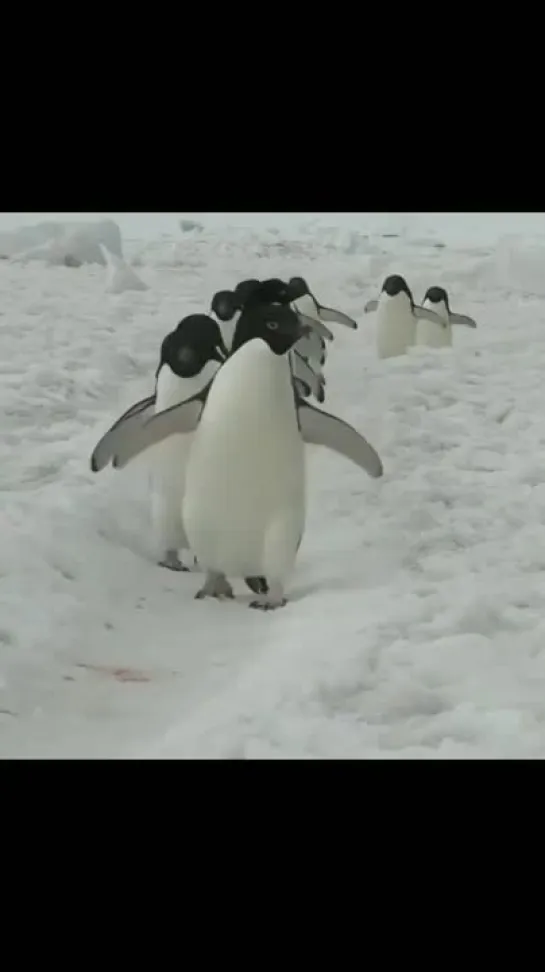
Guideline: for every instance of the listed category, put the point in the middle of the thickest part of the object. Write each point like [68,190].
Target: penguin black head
[279,326]
[196,340]
[225,305]
[437,294]
[272,291]
[298,287]
[395,285]
[244,290]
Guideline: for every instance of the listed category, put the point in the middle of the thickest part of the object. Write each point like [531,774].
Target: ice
[416,622]
[67,243]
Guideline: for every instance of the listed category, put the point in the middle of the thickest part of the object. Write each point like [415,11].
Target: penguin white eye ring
[272,325]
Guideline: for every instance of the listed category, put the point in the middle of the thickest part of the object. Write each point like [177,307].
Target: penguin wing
[105,447]
[316,325]
[302,371]
[462,319]
[181,419]
[425,314]
[371,305]
[336,317]
[322,429]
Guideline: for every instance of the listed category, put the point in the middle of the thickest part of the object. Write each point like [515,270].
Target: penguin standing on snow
[433,335]
[190,356]
[244,504]
[397,317]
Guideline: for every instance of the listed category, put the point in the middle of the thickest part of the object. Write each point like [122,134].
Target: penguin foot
[215,585]
[258,585]
[268,603]
[172,562]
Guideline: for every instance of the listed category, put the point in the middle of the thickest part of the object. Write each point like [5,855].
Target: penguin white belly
[244,502]
[169,460]
[433,335]
[396,331]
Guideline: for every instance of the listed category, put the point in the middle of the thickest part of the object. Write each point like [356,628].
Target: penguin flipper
[302,371]
[181,419]
[371,305]
[322,429]
[316,325]
[462,319]
[337,317]
[425,314]
[105,447]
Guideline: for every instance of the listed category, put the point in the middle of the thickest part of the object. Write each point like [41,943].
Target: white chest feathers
[396,325]
[433,335]
[168,459]
[244,503]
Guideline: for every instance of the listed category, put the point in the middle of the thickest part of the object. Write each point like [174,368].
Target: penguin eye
[272,325]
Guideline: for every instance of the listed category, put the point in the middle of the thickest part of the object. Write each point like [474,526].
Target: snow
[416,625]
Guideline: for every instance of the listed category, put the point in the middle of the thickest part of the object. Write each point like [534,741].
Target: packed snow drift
[416,621]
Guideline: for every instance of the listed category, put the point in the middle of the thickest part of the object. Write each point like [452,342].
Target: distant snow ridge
[121,276]
[63,244]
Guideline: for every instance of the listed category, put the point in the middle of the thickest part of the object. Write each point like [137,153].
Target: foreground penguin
[244,503]
[433,335]
[190,356]
[397,317]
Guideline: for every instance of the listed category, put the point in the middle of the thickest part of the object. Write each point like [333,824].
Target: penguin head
[196,340]
[395,285]
[244,290]
[298,287]
[225,305]
[278,325]
[272,291]
[438,297]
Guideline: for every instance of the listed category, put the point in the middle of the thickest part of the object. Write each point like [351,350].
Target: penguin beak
[313,324]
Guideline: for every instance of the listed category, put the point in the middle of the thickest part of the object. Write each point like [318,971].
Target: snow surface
[416,626]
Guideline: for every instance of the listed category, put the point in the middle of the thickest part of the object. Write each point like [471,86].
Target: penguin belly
[169,462]
[431,335]
[244,501]
[396,331]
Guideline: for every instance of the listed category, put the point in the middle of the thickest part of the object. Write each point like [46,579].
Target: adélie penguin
[397,317]
[304,301]
[190,356]
[244,504]
[228,305]
[434,335]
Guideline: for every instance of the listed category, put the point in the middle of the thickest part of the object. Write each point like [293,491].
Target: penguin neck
[398,306]
[440,308]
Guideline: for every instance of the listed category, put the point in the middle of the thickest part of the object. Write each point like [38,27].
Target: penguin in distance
[397,316]
[433,335]
[244,504]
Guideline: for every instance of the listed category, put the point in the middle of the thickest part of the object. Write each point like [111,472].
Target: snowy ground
[417,621]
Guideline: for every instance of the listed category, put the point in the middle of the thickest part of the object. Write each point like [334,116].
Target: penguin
[190,355]
[228,305]
[244,505]
[397,317]
[313,348]
[432,335]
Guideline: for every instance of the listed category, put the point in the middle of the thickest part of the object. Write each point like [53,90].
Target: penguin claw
[216,586]
[174,564]
[268,605]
